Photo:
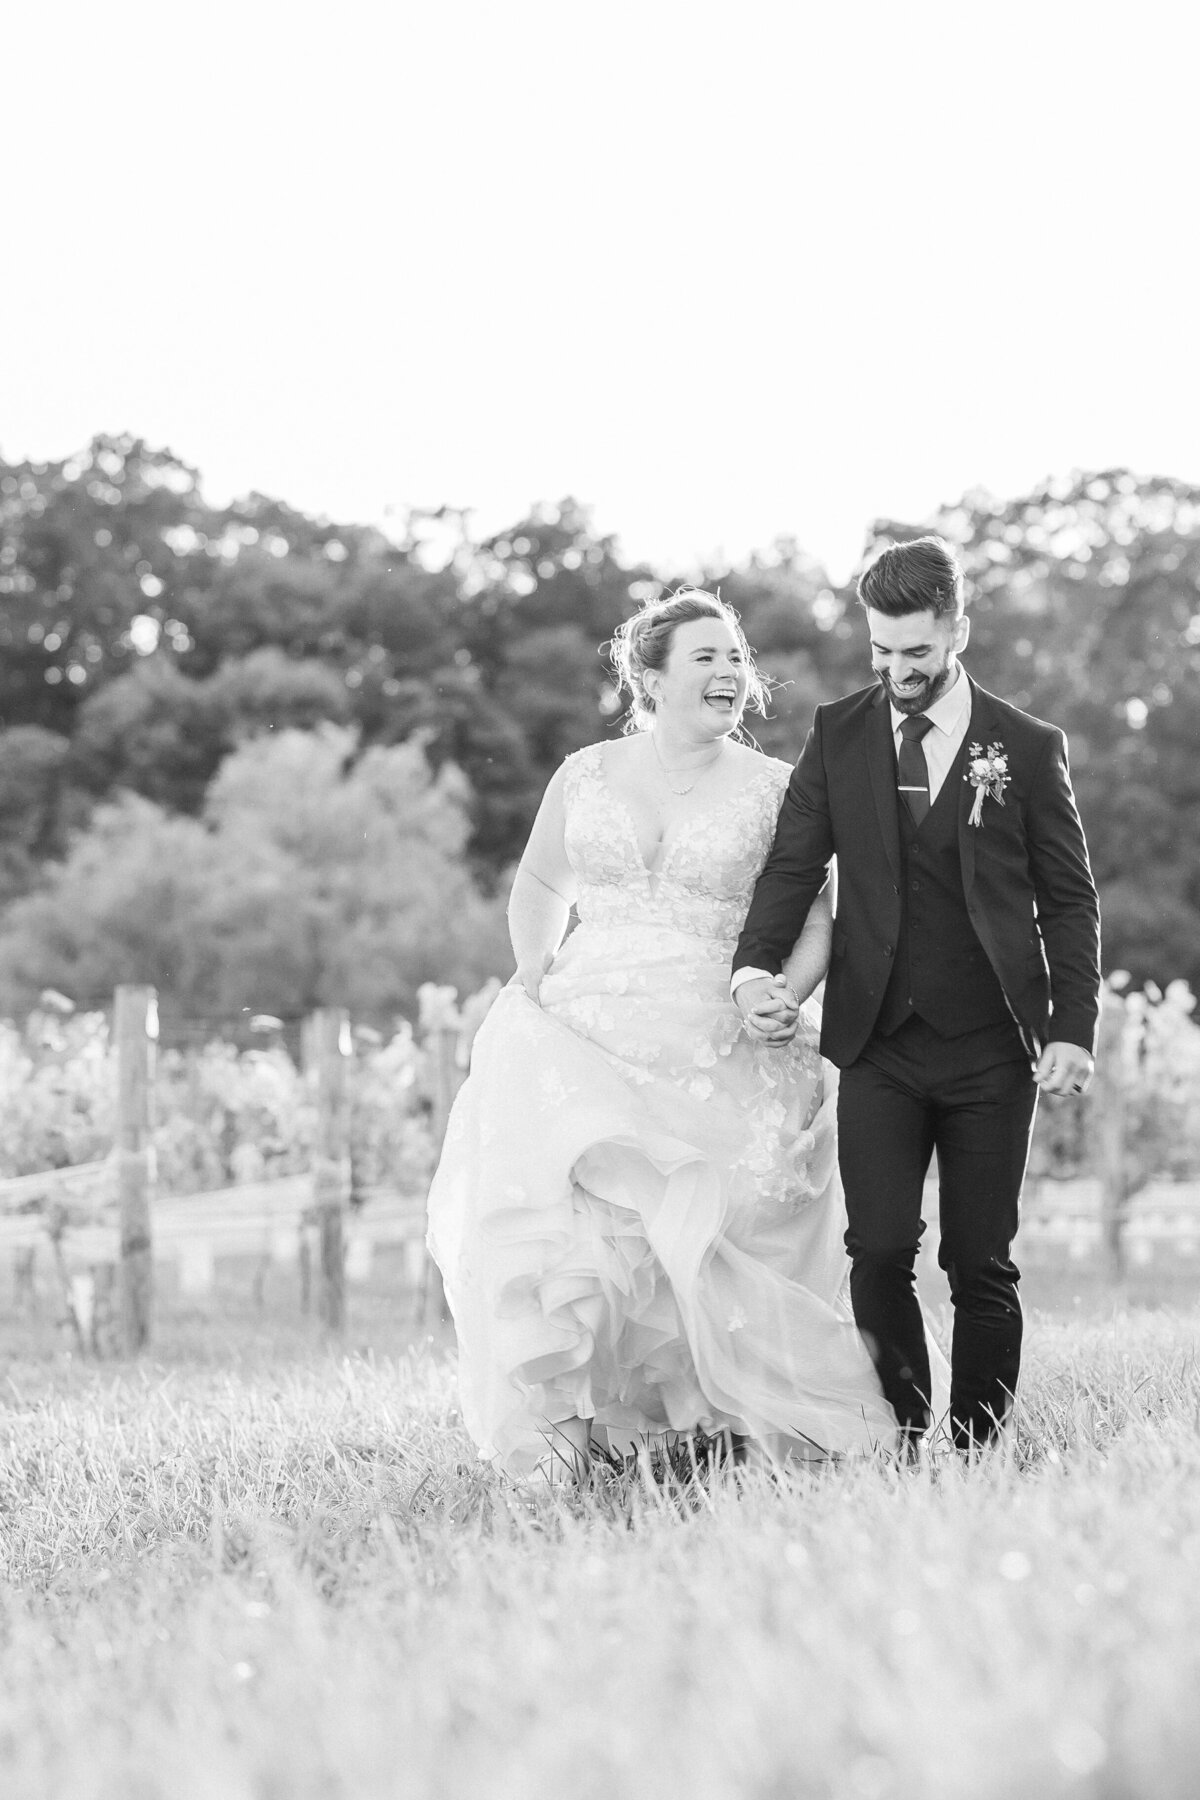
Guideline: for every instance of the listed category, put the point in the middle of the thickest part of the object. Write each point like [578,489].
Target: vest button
[916,887]
[888,950]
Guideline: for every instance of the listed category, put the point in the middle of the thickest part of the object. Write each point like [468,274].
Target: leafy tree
[269,691]
[146,635]
[458,724]
[262,595]
[796,691]
[32,762]
[315,876]
[153,731]
[164,734]
[794,623]
[554,681]
[88,545]
[549,570]
[401,619]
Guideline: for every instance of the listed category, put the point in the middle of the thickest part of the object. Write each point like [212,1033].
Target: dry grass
[289,1580]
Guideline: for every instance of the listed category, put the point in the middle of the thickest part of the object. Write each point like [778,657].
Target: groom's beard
[919,698]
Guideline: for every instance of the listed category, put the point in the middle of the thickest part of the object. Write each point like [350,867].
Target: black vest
[941,970]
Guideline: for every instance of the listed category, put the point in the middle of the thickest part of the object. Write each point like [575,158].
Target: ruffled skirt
[638,1221]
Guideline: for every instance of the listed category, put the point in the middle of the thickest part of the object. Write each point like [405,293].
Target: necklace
[667,773]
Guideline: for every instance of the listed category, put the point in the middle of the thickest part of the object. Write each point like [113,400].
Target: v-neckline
[666,846]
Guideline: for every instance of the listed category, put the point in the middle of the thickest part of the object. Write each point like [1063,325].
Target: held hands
[770,1010]
[1064,1069]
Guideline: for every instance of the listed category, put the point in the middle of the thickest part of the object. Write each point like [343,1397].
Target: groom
[964,974]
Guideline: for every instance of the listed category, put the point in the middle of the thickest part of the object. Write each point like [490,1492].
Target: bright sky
[723,271]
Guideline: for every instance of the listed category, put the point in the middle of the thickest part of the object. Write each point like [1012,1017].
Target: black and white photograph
[599,902]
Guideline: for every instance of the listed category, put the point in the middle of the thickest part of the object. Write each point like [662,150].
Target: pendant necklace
[667,773]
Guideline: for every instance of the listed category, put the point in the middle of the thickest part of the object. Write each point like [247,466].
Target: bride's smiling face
[703,685]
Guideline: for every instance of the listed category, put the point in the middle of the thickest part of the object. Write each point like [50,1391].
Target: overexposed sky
[724,272]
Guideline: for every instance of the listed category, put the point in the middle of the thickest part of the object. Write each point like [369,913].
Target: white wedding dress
[637,1213]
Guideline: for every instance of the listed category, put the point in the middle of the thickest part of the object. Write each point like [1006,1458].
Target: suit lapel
[982,729]
[881,764]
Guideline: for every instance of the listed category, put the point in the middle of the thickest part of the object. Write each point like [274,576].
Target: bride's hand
[530,975]
[775,1016]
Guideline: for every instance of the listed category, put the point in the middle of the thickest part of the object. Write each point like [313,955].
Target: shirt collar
[948,712]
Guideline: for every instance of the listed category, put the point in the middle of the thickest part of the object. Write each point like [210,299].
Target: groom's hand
[1064,1069]
[770,1010]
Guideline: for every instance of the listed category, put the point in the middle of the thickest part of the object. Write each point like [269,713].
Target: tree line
[268,761]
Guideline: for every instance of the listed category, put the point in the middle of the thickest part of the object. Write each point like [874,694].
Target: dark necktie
[914,770]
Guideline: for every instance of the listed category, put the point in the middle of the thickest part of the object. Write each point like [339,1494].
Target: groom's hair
[920,576]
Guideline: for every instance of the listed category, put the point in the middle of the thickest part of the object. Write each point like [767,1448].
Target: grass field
[251,1573]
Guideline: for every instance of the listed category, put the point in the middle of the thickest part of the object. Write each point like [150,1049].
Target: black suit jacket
[1028,887]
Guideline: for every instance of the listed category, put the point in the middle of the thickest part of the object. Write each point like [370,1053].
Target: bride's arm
[808,963]
[542,892]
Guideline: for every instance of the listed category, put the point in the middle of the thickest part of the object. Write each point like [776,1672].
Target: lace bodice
[706,877]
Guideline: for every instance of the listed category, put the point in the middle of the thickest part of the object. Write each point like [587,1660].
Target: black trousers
[972,1099]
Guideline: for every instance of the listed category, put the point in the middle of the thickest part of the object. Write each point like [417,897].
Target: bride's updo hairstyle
[644,642]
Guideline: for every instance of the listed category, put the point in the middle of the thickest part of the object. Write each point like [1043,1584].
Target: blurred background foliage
[265,761]
[223,1114]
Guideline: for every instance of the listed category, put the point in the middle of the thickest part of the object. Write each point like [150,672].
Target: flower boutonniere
[987,772]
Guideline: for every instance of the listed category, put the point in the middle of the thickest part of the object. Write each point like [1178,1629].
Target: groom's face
[915,656]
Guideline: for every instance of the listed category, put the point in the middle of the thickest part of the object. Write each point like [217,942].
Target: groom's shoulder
[1013,717]
[850,708]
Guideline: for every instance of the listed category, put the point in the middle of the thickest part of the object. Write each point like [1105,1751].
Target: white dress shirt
[950,716]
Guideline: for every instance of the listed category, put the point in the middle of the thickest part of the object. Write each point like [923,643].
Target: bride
[637,1212]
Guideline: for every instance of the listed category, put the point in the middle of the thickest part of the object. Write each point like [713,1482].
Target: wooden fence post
[332,1046]
[25,1293]
[135,1029]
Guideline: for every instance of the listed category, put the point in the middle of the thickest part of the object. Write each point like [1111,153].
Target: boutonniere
[987,772]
